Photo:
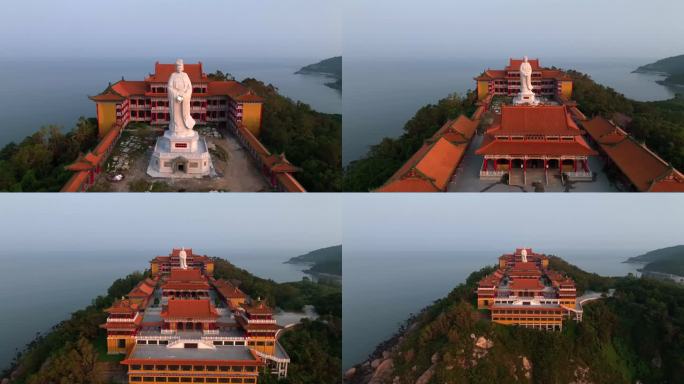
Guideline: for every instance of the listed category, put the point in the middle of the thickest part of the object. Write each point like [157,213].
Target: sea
[40,289]
[380,95]
[388,287]
[41,92]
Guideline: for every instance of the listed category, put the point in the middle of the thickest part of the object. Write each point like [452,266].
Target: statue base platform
[180,157]
[525,99]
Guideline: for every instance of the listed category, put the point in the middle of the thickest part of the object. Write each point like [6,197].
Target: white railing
[492,173]
[579,175]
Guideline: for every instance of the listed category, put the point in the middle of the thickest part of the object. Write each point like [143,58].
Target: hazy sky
[503,28]
[251,221]
[445,222]
[136,28]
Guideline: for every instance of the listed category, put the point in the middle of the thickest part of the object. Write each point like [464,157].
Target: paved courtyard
[467,177]
[235,169]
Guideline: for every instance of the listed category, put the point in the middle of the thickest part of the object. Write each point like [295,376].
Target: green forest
[74,351]
[385,158]
[325,260]
[37,163]
[658,124]
[634,336]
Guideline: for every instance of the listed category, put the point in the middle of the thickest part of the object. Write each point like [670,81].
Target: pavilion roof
[514,64]
[644,169]
[75,182]
[526,284]
[163,71]
[123,306]
[108,95]
[575,147]
[186,275]
[189,309]
[258,308]
[144,288]
[128,88]
[553,120]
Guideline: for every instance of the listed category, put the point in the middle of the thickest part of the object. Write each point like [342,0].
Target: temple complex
[528,131]
[181,325]
[222,104]
[524,291]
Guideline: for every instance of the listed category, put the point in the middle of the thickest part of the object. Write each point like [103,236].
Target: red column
[495,165]
[574,165]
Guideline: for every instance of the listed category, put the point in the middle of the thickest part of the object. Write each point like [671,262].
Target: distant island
[630,336]
[324,261]
[668,260]
[671,67]
[331,67]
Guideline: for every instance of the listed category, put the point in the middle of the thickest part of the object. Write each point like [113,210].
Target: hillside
[325,260]
[664,260]
[673,67]
[633,336]
[331,67]
[74,351]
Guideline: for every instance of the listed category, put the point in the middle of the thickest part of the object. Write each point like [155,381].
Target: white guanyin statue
[183,258]
[180,92]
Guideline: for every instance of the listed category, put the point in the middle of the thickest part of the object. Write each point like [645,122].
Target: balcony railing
[580,175]
[492,173]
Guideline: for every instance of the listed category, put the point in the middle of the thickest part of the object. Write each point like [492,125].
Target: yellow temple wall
[268,348]
[566,89]
[251,117]
[210,268]
[106,117]
[113,345]
[154,267]
[481,302]
[482,89]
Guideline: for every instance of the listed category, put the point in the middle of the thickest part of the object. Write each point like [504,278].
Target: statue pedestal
[180,157]
[525,99]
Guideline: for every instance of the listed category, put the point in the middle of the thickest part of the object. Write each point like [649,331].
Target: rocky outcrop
[527,367]
[427,375]
[383,372]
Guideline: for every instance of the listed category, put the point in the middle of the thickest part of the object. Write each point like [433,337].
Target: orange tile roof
[575,147]
[228,290]
[189,309]
[289,182]
[644,169]
[163,71]
[249,98]
[431,167]
[143,289]
[75,183]
[231,88]
[525,284]
[514,64]
[109,94]
[259,308]
[535,120]
[190,274]
[128,88]
[122,306]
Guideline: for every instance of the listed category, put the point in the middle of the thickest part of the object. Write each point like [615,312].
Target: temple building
[192,328]
[162,265]
[524,291]
[541,140]
[506,82]
[224,103]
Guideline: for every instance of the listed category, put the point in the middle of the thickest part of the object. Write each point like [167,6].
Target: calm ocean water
[39,289]
[381,95]
[42,92]
[387,287]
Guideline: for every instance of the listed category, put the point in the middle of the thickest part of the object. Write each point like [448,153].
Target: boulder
[376,363]
[350,373]
[434,358]
[383,373]
[483,343]
[426,376]
[385,355]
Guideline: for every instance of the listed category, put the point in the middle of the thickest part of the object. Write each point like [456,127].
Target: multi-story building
[223,103]
[162,265]
[524,291]
[506,82]
[192,328]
